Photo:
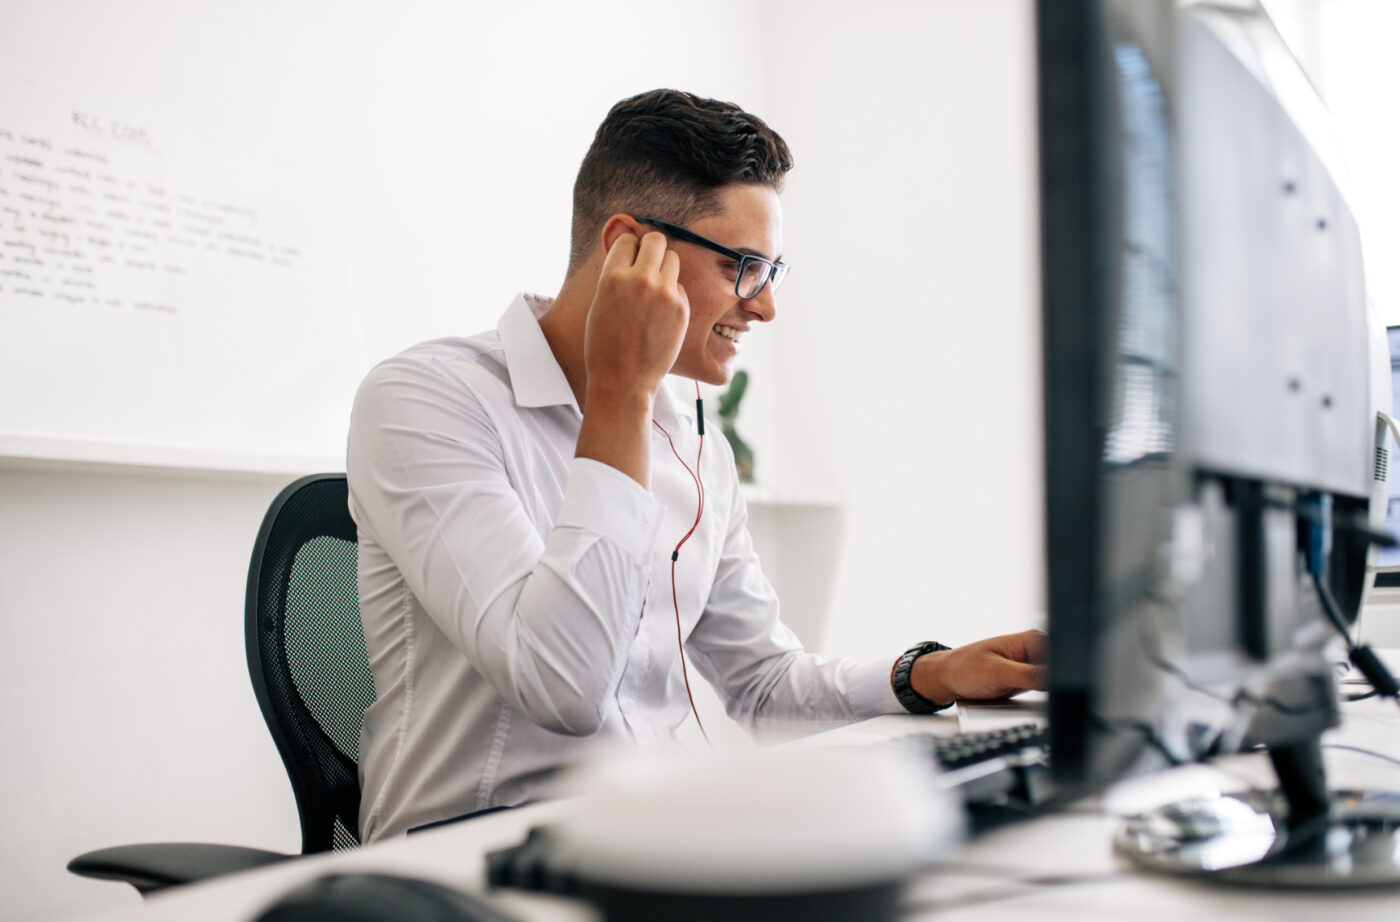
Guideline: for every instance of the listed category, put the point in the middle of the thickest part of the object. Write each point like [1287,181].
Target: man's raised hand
[638,318]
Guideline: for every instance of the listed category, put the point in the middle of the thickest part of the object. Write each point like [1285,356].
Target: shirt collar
[536,377]
[672,411]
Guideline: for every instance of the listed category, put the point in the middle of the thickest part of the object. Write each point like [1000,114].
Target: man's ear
[619,225]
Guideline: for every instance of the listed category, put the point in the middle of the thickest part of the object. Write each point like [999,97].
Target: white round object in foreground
[759,822]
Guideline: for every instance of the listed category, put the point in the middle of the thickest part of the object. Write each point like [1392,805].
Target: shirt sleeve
[769,683]
[546,612]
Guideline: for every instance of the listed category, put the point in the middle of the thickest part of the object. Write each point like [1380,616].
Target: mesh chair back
[306,653]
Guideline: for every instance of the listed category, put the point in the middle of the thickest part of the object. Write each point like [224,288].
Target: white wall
[900,376]
[1359,73]
[909,347]
[125,706]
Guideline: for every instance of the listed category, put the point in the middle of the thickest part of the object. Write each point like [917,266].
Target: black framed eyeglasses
[754,271]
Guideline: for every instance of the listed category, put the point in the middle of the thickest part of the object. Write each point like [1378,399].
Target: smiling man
[542,524]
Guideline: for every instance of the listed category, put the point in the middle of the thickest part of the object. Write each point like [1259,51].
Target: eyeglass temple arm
[686,236]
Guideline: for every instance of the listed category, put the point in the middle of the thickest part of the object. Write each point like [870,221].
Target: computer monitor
[1387,559]
[1209,425]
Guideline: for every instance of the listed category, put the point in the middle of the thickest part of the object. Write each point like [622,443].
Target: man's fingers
[671,268]
[1009,677]
[1025,646]
[651,253]
[1034,677]
[1033,643]
[622,253]
[1027,673]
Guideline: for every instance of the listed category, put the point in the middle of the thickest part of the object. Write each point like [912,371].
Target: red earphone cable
[675,554]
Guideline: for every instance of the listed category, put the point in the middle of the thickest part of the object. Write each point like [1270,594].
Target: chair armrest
[158,865]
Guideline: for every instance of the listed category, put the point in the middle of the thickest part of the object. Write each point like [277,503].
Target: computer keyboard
[980,745]
[1001,774]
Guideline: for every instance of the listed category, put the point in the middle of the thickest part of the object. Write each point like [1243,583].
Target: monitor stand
[1298,836]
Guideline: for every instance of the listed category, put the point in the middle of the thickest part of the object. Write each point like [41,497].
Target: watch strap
[914,702]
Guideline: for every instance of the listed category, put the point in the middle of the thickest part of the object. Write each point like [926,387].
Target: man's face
[751,221]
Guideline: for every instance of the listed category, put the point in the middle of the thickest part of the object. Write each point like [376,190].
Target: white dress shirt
[517,600]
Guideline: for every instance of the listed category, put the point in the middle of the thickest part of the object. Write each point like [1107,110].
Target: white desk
[1055,867]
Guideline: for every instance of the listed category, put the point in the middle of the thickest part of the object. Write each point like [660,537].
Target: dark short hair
[665,154]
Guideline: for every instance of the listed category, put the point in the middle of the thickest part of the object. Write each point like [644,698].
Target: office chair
[307,661]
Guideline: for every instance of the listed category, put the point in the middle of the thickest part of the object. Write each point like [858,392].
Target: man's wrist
[927,677]
[622,398]
[616,431]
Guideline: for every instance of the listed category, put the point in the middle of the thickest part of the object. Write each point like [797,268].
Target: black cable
[1362,656]
[1288,710]
[1034,884]
[1161,662]
[1364,752]
[1241,695]
[1148,732]
[1332,610]
[1352,522]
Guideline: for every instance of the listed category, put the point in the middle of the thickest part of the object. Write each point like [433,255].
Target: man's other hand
[997,667]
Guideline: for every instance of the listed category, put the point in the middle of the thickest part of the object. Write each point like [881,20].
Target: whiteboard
[166,299]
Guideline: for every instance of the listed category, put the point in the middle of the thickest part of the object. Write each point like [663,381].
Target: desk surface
[1054,867]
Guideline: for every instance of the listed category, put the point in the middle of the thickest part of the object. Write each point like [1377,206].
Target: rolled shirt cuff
[604,500]
[869,690]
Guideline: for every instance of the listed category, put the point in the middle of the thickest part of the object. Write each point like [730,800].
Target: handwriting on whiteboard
[77,228]
[162,288]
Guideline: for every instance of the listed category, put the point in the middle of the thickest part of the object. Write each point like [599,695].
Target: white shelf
[757,494]
[32,451]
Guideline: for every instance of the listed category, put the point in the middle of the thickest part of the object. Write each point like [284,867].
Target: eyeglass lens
[752,277]
[755,273]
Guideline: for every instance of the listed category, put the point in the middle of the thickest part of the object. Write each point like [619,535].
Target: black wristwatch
[914,702]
